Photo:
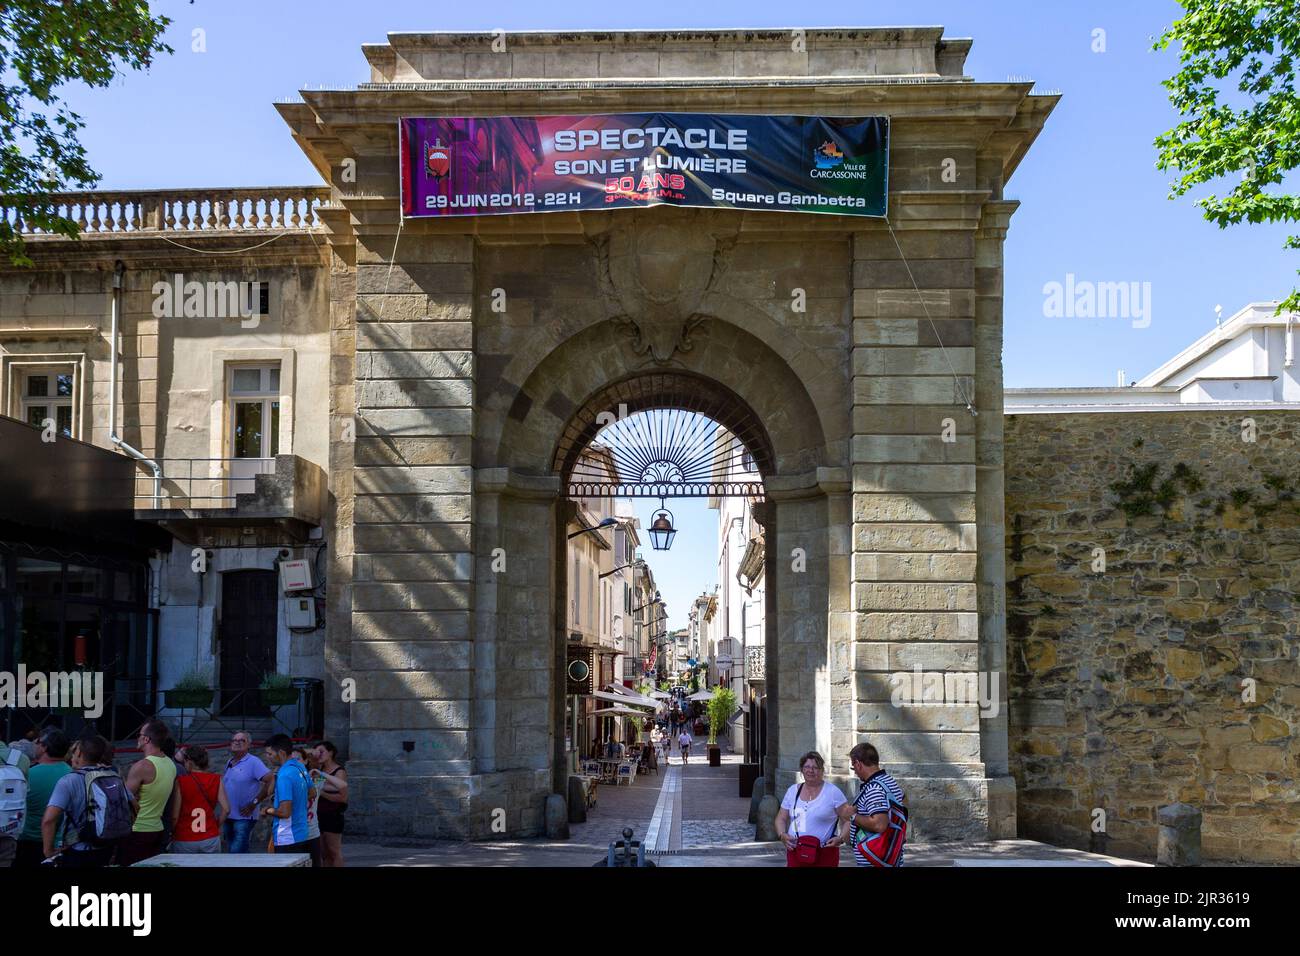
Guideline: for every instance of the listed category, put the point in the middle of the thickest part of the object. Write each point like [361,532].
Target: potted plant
[193,691]
[277,690]
[721,707]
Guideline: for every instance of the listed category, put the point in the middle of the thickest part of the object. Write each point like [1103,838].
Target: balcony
[285,490]
[153,211]
[756,665]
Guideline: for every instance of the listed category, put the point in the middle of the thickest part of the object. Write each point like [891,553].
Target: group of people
[816,819]
[66,805]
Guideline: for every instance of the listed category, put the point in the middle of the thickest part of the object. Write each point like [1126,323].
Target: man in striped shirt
[880,806]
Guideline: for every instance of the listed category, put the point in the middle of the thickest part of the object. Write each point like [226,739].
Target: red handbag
[808,850]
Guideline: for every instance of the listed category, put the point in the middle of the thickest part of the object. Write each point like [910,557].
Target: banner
[495,165]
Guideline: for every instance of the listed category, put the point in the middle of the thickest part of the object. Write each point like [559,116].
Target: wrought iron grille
[664,434]
[665,452]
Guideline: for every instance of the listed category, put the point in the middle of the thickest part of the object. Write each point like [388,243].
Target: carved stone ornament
[656,274]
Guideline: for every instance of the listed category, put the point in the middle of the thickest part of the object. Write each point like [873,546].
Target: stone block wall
[1172,674]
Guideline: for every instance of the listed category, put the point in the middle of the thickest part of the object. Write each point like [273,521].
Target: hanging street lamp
[662,531]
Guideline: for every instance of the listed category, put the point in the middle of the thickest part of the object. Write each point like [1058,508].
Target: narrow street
[696,817]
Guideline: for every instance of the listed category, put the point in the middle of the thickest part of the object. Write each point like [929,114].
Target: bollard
[1179,840]
[557,817]
[765,829]
[760,788]
[577,799]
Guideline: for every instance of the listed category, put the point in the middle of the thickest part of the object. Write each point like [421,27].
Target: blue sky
[1093,204]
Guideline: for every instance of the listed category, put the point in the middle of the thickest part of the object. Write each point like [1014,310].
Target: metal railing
[263,209]
[200,482]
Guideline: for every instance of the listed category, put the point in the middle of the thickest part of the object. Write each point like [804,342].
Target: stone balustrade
[264,209]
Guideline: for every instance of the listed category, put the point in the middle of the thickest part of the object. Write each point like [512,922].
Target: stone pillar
[914,510]
[514,724]
[339,527]
[839,622]
[765,514]
[990,490]
[411,650]
[799,650]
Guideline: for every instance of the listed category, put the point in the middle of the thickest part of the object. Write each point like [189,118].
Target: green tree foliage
[721,707]
[44,44]
[1250,47]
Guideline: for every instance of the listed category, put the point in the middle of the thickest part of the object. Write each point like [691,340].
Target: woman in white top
[814,809]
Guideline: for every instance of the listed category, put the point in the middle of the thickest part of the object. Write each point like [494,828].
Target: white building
[1249,360]
[738,623]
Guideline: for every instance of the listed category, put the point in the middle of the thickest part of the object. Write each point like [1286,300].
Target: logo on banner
[437,159]
[828,156]
[829,163]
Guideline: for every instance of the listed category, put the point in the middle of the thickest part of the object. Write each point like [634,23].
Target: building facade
[446,427]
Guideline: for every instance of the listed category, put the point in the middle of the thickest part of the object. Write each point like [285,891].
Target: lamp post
[635,564]
[607,523]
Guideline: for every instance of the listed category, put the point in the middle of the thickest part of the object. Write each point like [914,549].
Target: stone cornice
[383,105]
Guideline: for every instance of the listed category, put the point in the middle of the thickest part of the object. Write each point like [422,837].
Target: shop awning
[628,695]
[619,712]
[636,701]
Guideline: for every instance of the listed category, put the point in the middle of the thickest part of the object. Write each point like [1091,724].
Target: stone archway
[743,384]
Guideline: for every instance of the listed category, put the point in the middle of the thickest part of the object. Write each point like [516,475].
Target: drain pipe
[119,270]
[1290,341]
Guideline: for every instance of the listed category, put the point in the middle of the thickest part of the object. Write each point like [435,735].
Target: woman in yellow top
[150,782]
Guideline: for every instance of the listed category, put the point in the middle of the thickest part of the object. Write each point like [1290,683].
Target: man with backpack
[95,800]
[14,765]
[879,814]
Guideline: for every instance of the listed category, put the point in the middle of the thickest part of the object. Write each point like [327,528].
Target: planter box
[278,696]
[188,699]
[715,756]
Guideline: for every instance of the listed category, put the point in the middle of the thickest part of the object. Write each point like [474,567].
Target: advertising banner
[494,165]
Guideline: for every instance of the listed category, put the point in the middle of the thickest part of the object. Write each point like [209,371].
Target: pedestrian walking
[684,742]
[289,803]
[149,781]
[333,803]
[50,767]
[247,782]
[94,806]
[813,819]
[201,805]
[879,812]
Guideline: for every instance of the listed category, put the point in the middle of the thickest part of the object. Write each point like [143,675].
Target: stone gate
[448,415]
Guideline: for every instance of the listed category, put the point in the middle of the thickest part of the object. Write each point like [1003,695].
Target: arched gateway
[471,356]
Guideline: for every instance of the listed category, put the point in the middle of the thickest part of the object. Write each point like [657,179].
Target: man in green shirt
[8,843]
[51,764]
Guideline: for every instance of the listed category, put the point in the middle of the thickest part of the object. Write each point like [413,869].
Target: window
[48,394]
[254,400]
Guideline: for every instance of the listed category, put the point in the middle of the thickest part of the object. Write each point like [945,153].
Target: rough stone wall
[1131,688]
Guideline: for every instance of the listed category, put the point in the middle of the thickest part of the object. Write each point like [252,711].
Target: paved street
[690,815]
